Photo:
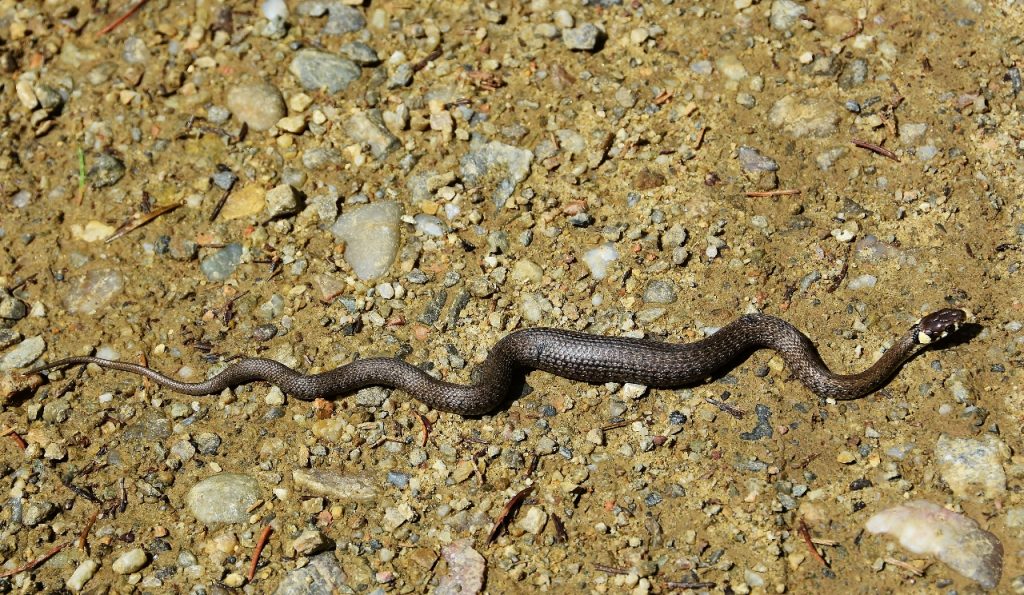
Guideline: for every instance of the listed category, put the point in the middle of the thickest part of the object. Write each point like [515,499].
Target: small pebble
[533,521]
[81,575]
[131,561]
[584,37]
[260,105]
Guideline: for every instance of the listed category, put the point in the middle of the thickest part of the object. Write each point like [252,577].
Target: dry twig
[260,544]
[506,512]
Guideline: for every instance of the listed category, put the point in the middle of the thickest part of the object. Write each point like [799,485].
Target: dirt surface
[710,147]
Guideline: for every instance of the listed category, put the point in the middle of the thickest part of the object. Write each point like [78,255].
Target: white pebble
[274,9]
[597,259]
[843,235]
[633,391]
[862,282]
[81,575]
[131,561]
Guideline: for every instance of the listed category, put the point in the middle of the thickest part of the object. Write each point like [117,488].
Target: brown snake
[574,355]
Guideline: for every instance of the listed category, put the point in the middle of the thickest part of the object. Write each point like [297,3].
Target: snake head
[938,325]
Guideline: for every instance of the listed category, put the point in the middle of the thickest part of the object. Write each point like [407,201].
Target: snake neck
[805,363]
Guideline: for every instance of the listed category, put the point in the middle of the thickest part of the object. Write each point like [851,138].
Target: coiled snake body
[573,355]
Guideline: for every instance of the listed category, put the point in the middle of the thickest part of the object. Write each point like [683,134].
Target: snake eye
[938,324]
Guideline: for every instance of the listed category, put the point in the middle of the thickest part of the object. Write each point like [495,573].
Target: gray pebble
[828,158]
[360,53]
[368,127]
[24,354]
[545,446]
[751,160]
[401,77]
[320,157]
[224,178]
[8,337]
[11,308]
[341,18]
[660,291]
[584,37]
[39,512]
[222,263]
[763,429]
[317,70]
[430,225]
[207,443]
[184,450]
[281,200]
[149,428]
[135,51]
[334,484]
[372,237]
[321,575]
[804,117]
[264,332]
[785,13]
[373,396]
[88,293]
[398,479]
[512,161]
[106,170]
[85,571]
[417,277]
[854,75]
[56,412]
[311,542]
[218,114]
[862,282]
[927,152]
[260,105]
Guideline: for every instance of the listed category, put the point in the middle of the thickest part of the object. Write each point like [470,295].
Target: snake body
[573,355]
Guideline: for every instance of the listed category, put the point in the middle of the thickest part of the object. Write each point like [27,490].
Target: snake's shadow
[520,388]
[967,332]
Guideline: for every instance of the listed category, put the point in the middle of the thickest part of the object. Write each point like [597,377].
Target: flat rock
[510,164]
[23,354]
[247,201]
[322,576]
[813,118]
[335,485]
[93,290]
[926,528]
[466,569]
[223,498]
[372,236]
[973,468]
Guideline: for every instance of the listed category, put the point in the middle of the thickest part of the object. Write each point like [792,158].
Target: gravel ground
[322,180]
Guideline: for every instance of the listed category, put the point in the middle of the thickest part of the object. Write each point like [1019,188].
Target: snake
[590,358]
